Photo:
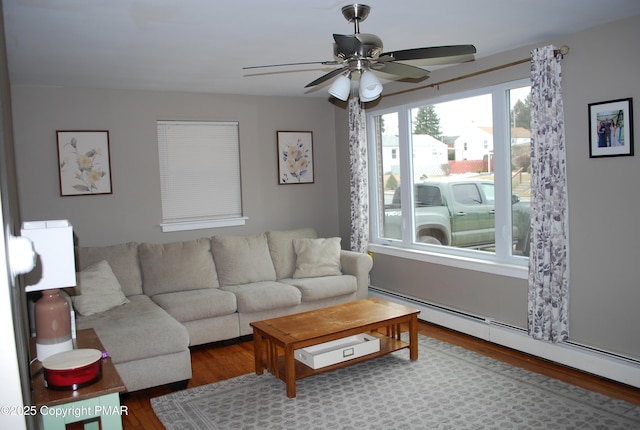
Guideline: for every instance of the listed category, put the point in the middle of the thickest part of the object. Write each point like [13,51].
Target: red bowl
[73,369]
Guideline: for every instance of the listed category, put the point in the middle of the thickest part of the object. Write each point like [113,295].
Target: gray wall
[133,211]
[604,201]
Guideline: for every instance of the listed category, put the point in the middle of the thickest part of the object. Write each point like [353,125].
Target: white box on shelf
[337,351]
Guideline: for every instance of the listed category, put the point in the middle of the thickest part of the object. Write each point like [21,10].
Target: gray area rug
[447,388]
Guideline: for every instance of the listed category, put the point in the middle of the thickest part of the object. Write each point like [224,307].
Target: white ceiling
[202,45]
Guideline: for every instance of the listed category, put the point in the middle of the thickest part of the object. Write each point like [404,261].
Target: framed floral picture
[611,128]
[83,162]
[295,157]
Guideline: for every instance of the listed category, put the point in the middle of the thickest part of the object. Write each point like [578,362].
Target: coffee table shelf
[387,346]
[275,340]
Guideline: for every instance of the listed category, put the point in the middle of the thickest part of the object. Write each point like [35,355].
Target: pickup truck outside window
[468,171]
[458,213]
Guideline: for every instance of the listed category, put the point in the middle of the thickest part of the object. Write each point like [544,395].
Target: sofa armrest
[359,265]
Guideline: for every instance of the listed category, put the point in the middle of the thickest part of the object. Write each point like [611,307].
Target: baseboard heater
[585,358]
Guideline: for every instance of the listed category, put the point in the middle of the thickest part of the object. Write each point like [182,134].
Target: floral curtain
[548,296]
[358,176]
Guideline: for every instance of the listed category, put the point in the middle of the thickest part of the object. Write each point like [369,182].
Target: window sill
[493,267]
[198,225]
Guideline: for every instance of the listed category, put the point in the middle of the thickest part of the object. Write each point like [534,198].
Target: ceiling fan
[362,53]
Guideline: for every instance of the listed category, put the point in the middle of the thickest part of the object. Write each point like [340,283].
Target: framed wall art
[611,128]
[84,162]
[295,157]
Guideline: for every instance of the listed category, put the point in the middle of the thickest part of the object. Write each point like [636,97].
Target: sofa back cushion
[242,259]
[123,260]
[281,249]
[177,266]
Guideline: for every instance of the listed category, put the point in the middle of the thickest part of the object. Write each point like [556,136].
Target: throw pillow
[123,259]
[317,257]
[98,290]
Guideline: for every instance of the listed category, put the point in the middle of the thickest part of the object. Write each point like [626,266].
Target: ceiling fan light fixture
[341,88]
[368,99]
[370,86]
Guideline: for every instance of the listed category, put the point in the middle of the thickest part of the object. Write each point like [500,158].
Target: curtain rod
[564,50]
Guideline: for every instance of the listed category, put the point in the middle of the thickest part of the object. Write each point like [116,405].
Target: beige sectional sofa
[149,303]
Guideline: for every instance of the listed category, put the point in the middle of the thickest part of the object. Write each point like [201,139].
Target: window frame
[501,262]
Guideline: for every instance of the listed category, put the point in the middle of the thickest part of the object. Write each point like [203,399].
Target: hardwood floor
[215,362]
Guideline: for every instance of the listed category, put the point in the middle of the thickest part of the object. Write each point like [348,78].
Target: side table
[94,404]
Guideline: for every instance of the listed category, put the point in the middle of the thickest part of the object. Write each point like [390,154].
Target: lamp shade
[341,88]
[370,87]
[53,242]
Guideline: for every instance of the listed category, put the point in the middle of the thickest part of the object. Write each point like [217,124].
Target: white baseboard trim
[601,363]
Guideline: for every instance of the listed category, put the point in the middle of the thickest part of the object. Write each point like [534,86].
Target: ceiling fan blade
[332,62]
[402,70]
[431,52]
[326,77]
[347,44]
[446,60]
[426,62]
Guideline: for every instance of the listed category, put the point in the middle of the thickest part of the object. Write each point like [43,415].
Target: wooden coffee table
[301,330]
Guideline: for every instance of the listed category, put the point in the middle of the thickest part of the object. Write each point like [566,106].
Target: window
[460,183]
[199,174]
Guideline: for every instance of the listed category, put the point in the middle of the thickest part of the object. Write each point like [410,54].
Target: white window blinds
[199,173]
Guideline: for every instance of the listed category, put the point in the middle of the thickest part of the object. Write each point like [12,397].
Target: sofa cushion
[242,259]
[177,266]
[123,259]
[97,290]
[137,330]
[324,287]
[197,304]
[317,257]
[281,249]
[261,296]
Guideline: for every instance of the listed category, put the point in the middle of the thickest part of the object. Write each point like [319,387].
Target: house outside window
[483,189]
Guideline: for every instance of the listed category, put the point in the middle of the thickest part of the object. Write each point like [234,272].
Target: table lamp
[55,269]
